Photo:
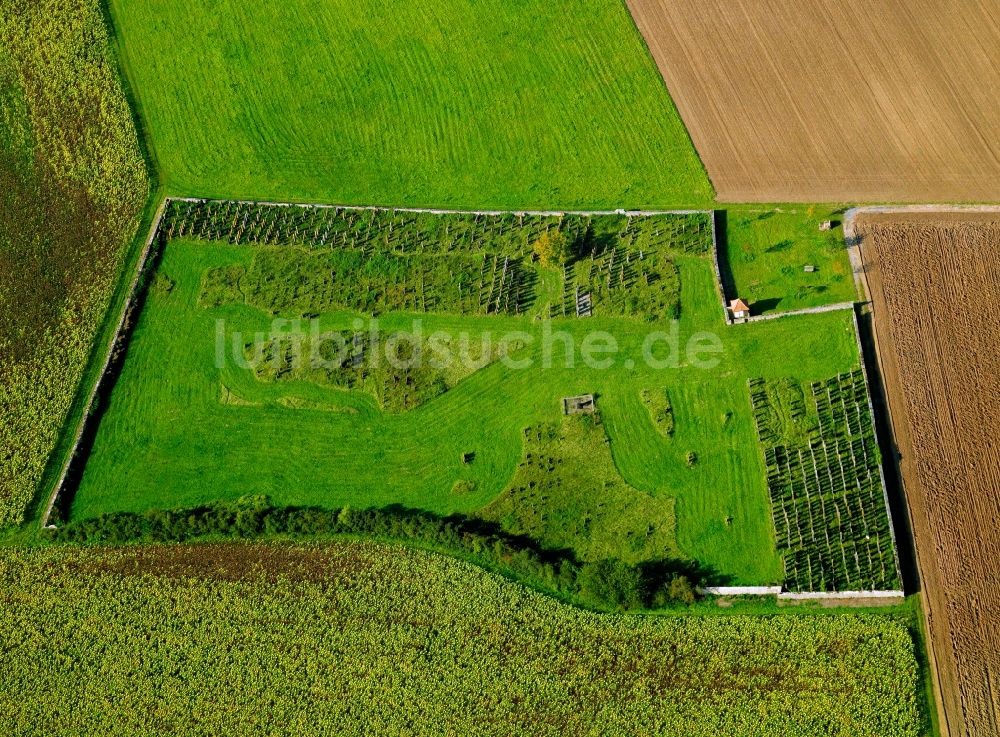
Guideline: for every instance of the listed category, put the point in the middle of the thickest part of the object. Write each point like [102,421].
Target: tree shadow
[725,270]
[665,569]
[527,281]
[764,305]
[592,244]
[557,569]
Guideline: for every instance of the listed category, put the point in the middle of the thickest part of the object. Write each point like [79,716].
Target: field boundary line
[127,305]
[443,211]
[835,595]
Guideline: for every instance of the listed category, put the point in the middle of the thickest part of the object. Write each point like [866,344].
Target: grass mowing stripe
[169,440]
[494,103]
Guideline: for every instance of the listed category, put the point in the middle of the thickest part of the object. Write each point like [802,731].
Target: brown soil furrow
[891,100]
[934,288]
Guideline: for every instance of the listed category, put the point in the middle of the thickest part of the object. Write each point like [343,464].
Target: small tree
[552,249]
[611,583]
[680,590]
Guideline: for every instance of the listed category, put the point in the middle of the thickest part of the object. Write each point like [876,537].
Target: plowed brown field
[810,100]
[935,285]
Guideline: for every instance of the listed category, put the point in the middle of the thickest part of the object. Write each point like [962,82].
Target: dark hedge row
[608,584]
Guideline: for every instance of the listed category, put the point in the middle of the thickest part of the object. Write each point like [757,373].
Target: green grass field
[180,431]
[767,250]
[477,104]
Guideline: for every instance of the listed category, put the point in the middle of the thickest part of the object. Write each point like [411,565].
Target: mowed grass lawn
[492,103]
[170,438]
[767,250]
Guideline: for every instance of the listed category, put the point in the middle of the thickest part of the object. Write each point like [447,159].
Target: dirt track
[935,286]
[855,100]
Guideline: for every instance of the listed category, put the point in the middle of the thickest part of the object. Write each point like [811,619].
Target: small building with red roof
[739,309]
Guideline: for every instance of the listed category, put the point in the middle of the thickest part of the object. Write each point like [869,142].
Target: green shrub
[604,584]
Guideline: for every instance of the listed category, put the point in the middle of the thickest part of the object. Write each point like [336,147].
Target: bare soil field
[934,281]
[808,101]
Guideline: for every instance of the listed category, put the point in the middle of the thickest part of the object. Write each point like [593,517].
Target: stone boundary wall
[839,595]
[783,595]
[433,211]
[804,311]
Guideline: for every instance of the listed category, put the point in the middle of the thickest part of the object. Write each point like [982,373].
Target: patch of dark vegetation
[72,188]
[603,584]
[661,412]
[235,561]
[400,370]
[320,259]
[568,493]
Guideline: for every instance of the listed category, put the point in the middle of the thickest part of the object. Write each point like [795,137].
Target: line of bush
[603,584]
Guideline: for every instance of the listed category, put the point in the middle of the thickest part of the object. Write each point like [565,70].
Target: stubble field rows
[832,102]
